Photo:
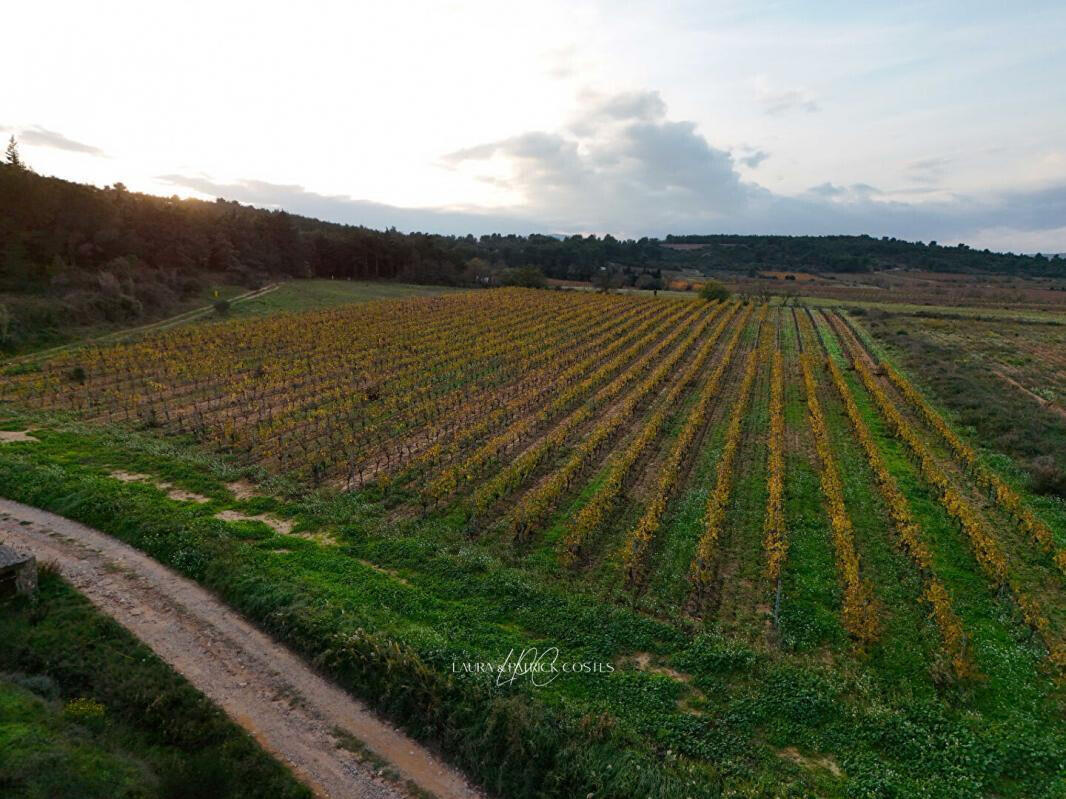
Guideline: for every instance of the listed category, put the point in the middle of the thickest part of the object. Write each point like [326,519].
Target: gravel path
[291,710]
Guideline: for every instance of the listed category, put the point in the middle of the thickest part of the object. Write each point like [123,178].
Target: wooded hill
[77,254]
[50,227]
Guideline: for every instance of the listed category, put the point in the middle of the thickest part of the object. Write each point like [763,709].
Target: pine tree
[12,154]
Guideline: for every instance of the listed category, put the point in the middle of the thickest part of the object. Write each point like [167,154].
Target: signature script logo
[541,666]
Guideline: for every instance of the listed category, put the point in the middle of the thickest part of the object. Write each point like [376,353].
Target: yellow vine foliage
[775,538]
[453,477]
[1003,495]
[701,572]
[522,467]
[859,613]
[638,542]
[598,509]
[987,551]
[989,556]
[947,621]
[344,392]
[950,628]
[471,423]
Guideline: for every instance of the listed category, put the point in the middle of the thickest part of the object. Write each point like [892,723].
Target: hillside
[73,255]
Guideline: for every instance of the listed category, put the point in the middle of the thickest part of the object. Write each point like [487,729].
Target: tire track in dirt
[1044,403]
[294,713]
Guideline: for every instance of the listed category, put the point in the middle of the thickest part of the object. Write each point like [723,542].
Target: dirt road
[292,711]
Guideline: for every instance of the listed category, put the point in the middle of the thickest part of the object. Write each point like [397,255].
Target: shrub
[87,712]
[1046,476]
[40,684]
[713,290]
[526,276]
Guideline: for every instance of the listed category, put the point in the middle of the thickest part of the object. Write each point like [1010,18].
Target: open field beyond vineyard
[804,577]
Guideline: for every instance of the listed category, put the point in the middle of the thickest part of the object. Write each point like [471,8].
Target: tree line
[852,254]
[94,254]
[50,227]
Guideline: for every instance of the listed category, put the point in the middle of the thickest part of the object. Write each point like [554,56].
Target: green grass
[941,311]
[746,511]
[1014,683]
[44,337]
[391,631]
[312,295]
[43,754]
[669,587]
[811,597]
[1007,428]
[908,644]
[147,732]
[290,297]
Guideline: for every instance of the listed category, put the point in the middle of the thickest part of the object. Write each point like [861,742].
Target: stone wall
[26,577]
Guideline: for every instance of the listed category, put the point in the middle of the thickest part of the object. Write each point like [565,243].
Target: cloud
[36,136]
[599,110]
[928,171]
[852,193]
[619,159]
[645,106]
[780,101]
[826,190]
[753,160]
[623,166]
[929,165]
[551,151]
[347,210]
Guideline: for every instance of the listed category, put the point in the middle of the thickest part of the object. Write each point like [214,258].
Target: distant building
[18,573]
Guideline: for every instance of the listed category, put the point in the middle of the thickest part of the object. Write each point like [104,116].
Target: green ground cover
[86,711]
[393,604]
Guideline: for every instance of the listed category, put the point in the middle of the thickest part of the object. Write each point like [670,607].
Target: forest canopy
[50,226]
[90,254]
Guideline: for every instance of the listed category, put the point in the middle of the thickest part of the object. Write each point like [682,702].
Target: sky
[920,120]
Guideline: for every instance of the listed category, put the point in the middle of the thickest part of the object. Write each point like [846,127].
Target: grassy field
[1004,381]
[491,473]
[1055,316]
[288,297]
[313,295]
[937,292]
[86,711]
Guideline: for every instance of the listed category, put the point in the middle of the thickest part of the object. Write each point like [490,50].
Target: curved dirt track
[291,710]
